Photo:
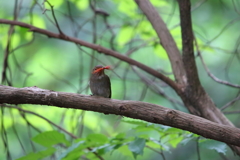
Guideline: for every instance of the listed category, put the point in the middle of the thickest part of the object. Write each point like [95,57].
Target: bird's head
[99,69]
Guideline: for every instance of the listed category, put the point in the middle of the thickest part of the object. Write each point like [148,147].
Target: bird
[100,83]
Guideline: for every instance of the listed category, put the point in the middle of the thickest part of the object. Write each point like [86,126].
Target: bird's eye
[97,70]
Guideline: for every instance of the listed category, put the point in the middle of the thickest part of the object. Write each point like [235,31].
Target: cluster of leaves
[96,145]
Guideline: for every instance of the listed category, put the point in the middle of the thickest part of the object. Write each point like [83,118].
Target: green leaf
[120,136]
[161,145]
[77,149]
[54,3]
[186,140]
[144,128]
[82,4]
[125,151]
[73,155]
[160,51]
[175,140]
[97,138]
[158,3]
[220,147]
[127,7]
[171,130]
[111,147]
[137,146]
[24,33]
[15,40]
[37,21]
[39,155]
[70,149]
[106,148]
[125,34]
[146,31]
[50,138]
[136,122]
[121,139]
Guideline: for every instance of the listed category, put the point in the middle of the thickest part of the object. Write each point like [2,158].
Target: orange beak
[99,69]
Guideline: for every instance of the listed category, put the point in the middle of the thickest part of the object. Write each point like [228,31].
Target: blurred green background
[37,60]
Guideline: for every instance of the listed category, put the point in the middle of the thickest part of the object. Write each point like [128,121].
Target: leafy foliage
[214,145]
[50,138]
[100,144]
[39,155]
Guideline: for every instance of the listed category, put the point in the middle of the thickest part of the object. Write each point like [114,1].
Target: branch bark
[168,43]
[187,45]
[166,40]
[133,109]
[194,94]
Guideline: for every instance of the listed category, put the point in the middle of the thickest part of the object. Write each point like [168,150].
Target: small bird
[100,84]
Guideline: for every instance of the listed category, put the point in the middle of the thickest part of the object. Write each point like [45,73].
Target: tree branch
[55,19]
[209,72]
[133,109]
[195,95]
[187,44]
[166,39]
[97,48]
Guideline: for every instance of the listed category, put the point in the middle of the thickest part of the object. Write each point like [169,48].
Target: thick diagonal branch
[169,45]
[187,45]
[133,109]
[166,39]
[194,94]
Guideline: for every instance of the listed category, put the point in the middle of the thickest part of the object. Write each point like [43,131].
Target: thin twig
[65,81]
[4,135]
[155,88]
[230,103]
[235,8]
[198,150]
[50,122]
[55,19]
[159,152]
[16,133]
[208,71]
[231,112]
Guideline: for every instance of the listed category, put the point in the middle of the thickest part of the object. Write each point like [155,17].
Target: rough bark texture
[192,93]
[166,40]
[133,109]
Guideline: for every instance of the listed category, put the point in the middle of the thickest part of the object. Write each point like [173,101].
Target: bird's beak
[99,69]
[107,67]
